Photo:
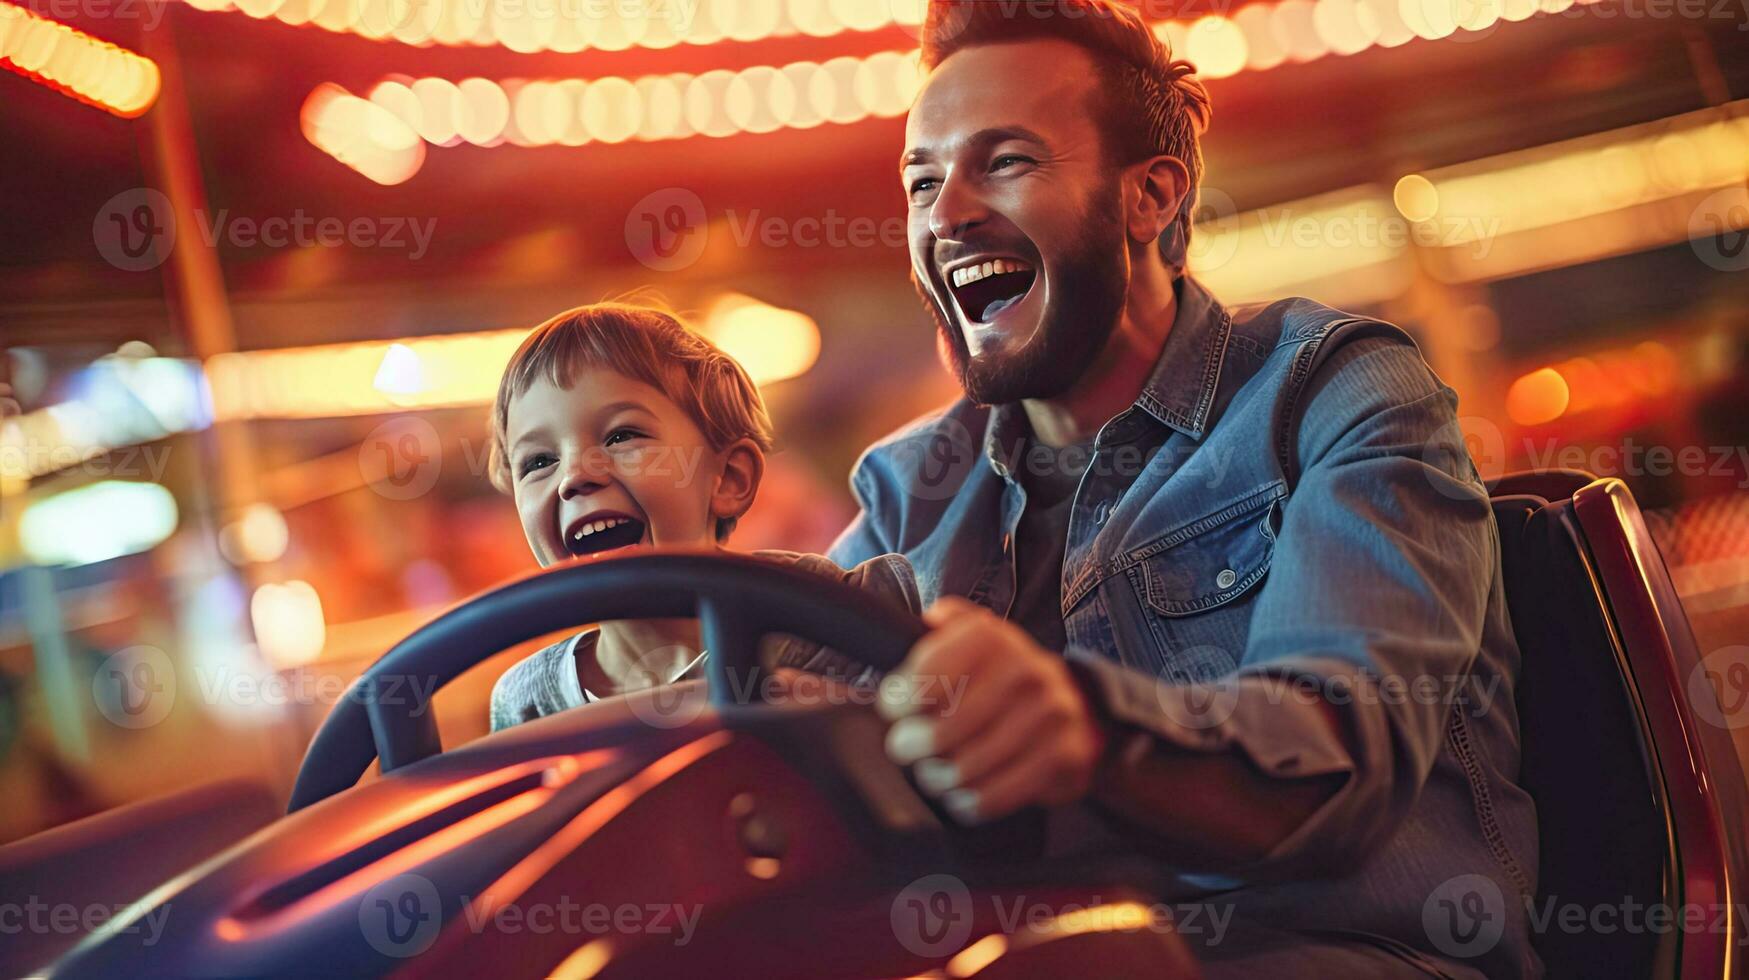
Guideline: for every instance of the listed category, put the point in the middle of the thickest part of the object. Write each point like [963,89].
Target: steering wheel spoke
[402,724]
[731,636]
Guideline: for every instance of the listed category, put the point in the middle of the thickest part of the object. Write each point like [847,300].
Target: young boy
[617,428]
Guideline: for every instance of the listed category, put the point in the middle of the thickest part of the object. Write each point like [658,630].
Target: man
[1224,579]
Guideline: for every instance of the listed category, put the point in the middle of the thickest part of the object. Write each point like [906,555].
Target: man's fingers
[1004,792]
[954,711]
[944,656]
[984,753]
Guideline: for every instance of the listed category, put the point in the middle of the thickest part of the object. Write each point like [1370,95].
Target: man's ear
[738,483]
[1164,181]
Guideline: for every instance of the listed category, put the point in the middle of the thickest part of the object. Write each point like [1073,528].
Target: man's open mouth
[601,533]
[985,289]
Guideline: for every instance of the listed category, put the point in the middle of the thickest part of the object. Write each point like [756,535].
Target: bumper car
[680,831]
[696,830]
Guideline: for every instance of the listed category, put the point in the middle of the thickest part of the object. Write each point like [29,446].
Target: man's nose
[586,471]
[958,208]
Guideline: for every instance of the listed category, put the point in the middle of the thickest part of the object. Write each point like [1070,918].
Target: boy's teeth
[595,527]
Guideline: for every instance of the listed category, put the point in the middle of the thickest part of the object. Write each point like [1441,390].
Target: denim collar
[1179,393]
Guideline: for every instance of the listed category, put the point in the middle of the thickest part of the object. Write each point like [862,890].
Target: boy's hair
[1152,104]
[644,344]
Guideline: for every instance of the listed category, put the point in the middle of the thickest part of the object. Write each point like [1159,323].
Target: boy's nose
[585,472]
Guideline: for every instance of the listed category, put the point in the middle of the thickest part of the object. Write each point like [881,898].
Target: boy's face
[612,463]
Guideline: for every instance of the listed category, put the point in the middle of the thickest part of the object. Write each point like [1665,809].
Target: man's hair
[1152,105]
[644,344]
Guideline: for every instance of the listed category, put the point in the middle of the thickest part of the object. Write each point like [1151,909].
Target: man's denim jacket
[1310,513]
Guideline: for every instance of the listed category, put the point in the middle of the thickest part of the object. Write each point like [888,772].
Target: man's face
[1018,244]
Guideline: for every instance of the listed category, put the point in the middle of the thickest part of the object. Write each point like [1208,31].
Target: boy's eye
[534,461]
[620,435]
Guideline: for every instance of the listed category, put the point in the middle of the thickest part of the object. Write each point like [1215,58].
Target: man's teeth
[595,527]
[994,267]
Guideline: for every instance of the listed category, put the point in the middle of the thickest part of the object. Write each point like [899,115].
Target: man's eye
[922,185]
[1007,160]
[534,462]
[620,435]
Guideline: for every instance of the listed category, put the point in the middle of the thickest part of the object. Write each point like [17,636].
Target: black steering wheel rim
[386,714]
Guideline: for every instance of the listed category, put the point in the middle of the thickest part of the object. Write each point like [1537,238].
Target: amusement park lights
[76,64]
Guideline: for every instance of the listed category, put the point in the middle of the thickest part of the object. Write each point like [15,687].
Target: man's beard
[1080,315]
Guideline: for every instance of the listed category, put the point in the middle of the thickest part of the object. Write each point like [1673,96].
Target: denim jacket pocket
[1194,586]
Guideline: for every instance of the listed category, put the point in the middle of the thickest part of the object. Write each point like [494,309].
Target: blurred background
[261,266]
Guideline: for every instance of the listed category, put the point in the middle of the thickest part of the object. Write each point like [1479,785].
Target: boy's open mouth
[984,289]
[599,533]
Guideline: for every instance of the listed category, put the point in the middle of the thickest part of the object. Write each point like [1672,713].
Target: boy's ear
[738,484]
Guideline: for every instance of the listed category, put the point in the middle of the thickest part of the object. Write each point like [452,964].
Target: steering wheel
[385,714]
